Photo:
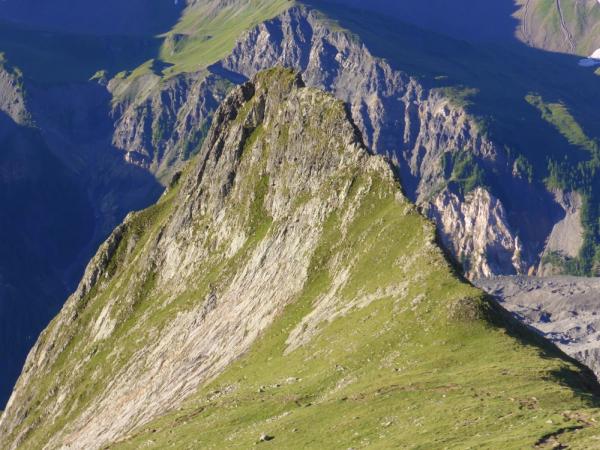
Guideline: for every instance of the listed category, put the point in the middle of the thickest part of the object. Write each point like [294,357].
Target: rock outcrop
[205,271]
[161,125]
[12,100]
[567,236]
[474,228]
[420,129]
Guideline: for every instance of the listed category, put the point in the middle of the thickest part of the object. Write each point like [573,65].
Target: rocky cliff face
[12,100]
[567,237]
[421,130]
[425,133]
[160,129]
[476,230]
[221,256]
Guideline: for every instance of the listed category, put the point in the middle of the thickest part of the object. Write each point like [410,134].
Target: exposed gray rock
[12,99]
[159,126]
[416,127]
[566,238]
[265,438]
[474,228]
[239,208]
[565,310]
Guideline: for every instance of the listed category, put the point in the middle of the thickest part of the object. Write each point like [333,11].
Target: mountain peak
[280,282]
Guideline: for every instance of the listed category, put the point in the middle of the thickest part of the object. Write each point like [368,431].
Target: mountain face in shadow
[131,17]
[45,221]
[463,19]
[567,26]
[63,188]
[498,81]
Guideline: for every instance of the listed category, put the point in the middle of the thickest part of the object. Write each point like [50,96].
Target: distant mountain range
[571,26]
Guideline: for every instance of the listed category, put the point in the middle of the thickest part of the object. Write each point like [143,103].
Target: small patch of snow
[592,60]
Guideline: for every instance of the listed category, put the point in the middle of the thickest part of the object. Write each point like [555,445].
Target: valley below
[565,310]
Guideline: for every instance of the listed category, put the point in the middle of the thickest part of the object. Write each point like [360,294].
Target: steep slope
[396,113]
[69,156]
[451,115]
[287,242]
[478,133]
[569,26]
[40,197]
[64,189]
[562,309]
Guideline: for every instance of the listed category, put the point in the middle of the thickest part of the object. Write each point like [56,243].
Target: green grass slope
[384,346]
[388,376]
[578,31]
[208,30]
[205,32]
[440,368]
[434,366]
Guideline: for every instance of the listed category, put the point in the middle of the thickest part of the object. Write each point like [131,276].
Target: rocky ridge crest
[421,130]
[205,271]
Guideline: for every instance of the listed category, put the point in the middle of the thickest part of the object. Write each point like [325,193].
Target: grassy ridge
[431,370]
[582,19]
[384,345]
[207,32]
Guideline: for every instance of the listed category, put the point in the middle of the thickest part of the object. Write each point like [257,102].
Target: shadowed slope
[106,17]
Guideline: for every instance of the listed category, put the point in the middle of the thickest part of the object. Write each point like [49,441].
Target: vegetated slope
[66,122]
[208,30]
[570,26]
[286,263]
[453,116]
